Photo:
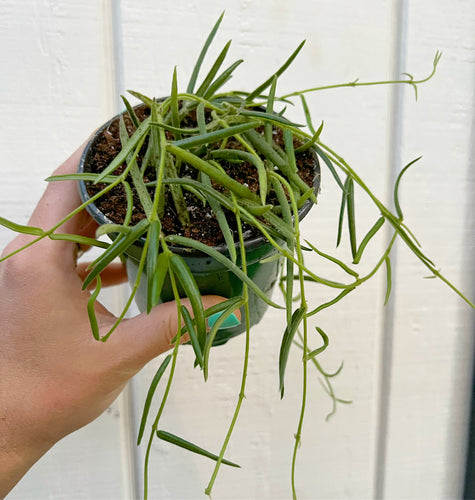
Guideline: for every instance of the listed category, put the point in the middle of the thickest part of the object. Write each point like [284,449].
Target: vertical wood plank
[55,91]
[433,329]
[336,458]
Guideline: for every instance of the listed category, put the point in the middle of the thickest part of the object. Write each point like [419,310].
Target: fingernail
[230,322]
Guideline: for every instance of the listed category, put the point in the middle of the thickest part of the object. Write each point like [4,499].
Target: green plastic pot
[211,276]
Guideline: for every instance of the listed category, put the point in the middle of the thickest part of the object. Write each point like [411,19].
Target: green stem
[133,292]
[245,293]
[160,170]
[356,83]
[395,222]
[170,378]
[303,305]
[49,232]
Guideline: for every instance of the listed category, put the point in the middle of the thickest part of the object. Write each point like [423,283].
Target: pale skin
[54,377]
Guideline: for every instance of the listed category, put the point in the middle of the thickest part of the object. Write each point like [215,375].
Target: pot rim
[101,218]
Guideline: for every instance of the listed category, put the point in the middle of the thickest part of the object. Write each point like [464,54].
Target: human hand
[54,377]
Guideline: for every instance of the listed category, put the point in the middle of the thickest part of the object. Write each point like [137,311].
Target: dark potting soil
[203,224]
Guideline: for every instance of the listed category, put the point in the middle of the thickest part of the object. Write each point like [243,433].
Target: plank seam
[387,335]
[129,418]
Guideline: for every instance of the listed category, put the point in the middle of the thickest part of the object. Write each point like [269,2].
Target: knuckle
[16,268]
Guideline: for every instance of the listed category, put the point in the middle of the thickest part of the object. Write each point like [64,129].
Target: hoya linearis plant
[205,128]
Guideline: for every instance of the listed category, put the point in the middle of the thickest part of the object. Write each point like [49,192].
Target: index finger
[58,201]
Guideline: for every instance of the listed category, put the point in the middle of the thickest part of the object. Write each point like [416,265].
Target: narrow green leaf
[176,130]
[222,221]
[111,228]
[215,136]
[131,111]
[329,165]
[269,117]
[138,181]
[119,246]
[213,71]
[85,176]
[161,272]
[221,79]
[287,339]
[123,134]
[214,330]
[341,215]
[196,193]
[284,229]
[200,118]
[209,192]
[188,283]
[130,202]
[19,228]
[146,100]
[264,85]
[259,142]
[188,242]
[255,209]
[376,227]
[117,241]
[350,208]
[251,158]
[174,105]
[413,236]
[190,328]
[310,142]
[387,261]
[177,193]
[204,50]
[315,352]
[82,240]
[305,196]
[396,187]
[277,227]
[267,150]
[332,302]
[283,201]
[289,285]
[335,373]
[178,441]
[150,393]
[138,136]
[289,149]
[239,189]
[234,302]
[152,260]
[307,114]
[338,262]
[156,147]
[91,309]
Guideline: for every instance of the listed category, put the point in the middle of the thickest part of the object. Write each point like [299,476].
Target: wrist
[18,453]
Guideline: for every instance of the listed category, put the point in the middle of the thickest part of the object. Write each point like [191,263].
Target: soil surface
[203,224]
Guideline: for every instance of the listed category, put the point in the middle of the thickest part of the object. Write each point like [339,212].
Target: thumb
[145,336]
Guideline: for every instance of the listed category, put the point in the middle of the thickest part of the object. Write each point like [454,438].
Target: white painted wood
[337,458]
[54,91]
[433,330]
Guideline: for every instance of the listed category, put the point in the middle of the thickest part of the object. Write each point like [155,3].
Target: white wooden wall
[407,366]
